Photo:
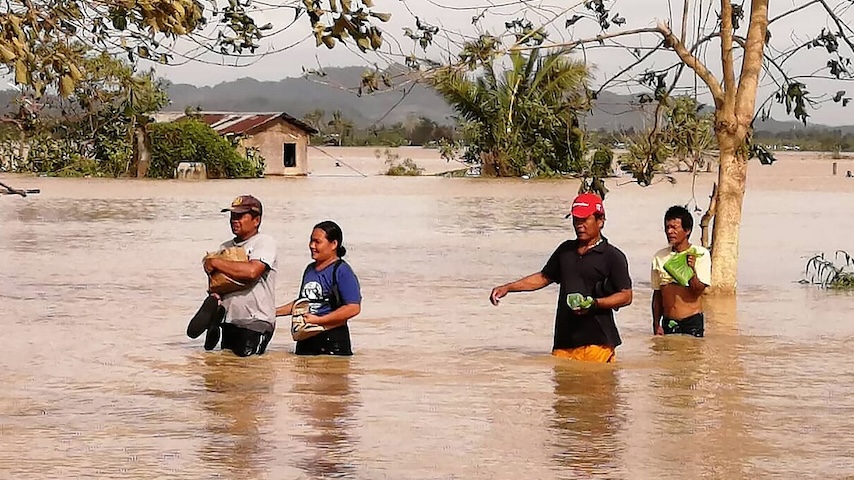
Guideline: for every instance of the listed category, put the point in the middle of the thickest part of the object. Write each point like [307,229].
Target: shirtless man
[678,309]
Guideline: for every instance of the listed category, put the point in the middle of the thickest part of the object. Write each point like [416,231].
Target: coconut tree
[522,120]
[340,126]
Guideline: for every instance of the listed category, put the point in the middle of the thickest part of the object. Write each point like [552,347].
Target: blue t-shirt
[317,287]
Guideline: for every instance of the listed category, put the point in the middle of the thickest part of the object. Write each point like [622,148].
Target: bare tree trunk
[732,178]
[23,148]
[708,217]
[141,150]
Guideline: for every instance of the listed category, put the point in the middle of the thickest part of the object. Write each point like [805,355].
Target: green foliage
[113,151]
[194,141]
[807,139]
[94,136]
[393,136]
[681,133]
[603,159]
[646,153]
[594,170]
[826,274]
[45,42]
[396,168]
[342,131]
[689,132]
[523,121]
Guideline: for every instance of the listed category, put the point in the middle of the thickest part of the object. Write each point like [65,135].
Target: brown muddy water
[98,280]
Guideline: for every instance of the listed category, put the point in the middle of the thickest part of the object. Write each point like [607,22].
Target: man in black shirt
[595,269]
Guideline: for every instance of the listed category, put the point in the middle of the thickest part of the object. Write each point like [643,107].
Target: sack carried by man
[221,283]
[300,329]
[677,266]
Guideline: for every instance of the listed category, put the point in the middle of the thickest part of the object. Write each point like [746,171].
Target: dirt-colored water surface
[99,277]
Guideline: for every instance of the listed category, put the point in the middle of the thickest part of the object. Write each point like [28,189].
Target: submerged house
[279,138]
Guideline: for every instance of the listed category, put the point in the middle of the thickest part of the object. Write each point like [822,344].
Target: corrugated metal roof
[241,122]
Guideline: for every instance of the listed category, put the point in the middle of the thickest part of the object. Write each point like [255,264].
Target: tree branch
[684,21]
[692,62]
[596,39]
[633,65]
[754,50]
[726,56]
[794,10]
[833,16]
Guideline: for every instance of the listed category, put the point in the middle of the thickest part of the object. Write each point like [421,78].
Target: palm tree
[523,120]
[314,119]
[341,126]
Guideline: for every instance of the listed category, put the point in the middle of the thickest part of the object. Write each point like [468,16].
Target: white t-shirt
[702,267]
[258,302]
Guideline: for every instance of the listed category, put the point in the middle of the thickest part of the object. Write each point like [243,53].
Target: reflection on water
[587,420]
[324,399]
[239,405]
[98,280]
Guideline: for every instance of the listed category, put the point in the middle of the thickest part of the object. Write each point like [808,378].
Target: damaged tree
[735,94]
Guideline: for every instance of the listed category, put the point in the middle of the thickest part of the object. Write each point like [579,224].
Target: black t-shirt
[600,272]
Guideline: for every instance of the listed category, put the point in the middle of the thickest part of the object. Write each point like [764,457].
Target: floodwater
[98,279]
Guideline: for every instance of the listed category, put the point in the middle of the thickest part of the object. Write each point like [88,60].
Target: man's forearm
[617,300]
[241,271]
[530,283]
[696,285]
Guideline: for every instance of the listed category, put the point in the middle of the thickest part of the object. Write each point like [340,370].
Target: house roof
[242,122]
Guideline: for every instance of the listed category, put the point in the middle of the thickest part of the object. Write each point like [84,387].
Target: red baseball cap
[585,205]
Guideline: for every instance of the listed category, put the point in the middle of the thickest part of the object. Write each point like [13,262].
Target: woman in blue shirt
[332,290]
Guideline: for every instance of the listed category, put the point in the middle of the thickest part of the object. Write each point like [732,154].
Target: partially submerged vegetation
[827,274]
[103,128]
[192,140]
[397,168]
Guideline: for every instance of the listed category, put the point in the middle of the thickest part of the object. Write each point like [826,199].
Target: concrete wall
[270,138]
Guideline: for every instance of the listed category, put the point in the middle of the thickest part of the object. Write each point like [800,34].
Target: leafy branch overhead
[44,42]
[339,20]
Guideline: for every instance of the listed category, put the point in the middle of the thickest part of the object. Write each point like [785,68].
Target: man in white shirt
[677,308]
[247,317]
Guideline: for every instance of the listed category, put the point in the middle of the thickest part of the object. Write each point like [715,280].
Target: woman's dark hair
[333,234]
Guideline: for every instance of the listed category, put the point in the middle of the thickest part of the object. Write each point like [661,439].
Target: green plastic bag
[677,267]
[577,301]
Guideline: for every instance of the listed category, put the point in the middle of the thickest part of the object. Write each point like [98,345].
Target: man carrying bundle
[680,274]
[242,279]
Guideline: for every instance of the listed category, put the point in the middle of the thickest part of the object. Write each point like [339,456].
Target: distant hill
[297,96]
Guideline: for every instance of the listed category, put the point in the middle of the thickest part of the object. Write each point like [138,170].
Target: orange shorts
[588,353]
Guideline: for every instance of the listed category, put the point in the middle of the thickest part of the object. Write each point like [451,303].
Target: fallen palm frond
[827,274]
